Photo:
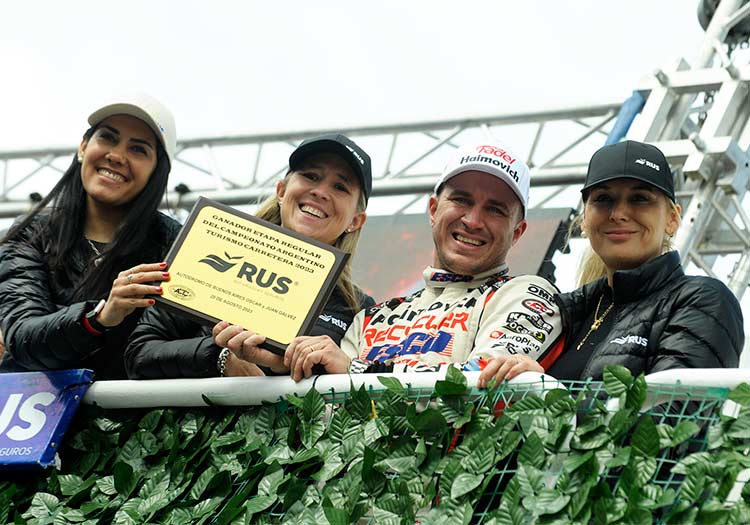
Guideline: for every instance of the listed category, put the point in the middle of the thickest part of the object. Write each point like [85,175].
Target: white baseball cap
[494,159]
[146,108]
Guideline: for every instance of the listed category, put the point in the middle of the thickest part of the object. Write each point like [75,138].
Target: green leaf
[271,481]
[311,432]
[153,503]
[692,487]
[637,394]
[465,483]
[482,457]
[573,461]
[201,482]
[335,515]
[741,395]
[683,431]
[617,379]
[532,451]
[70,484]
[230,438]
[123,478]
[392,384]
[43,505]
[340,422]
[205,507]
[359,404]
[550,502]
[739,429]
[645,440]
[259,503]
[107,425]
[527,405]
[313,405]
[150,421]
[374,430]
[428,422]
[453,385]
[107,485]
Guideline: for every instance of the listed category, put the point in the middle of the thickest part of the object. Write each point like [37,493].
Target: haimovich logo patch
[219,264]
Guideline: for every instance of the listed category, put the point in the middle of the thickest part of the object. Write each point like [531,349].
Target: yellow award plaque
[227,265]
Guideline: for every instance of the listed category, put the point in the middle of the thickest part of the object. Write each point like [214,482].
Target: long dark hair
[62,233]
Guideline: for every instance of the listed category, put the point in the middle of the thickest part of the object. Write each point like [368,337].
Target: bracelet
[221,363]
[90,329]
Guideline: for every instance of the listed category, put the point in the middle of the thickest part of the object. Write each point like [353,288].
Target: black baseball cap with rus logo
[343,146]
[631,160]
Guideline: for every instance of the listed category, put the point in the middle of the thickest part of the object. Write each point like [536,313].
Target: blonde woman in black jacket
[324,195]
[636,306]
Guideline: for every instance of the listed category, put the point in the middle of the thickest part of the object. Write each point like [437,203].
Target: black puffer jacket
[167,345]
[41,325]
[663,319]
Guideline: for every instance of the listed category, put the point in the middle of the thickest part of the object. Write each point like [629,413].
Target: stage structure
[698,114]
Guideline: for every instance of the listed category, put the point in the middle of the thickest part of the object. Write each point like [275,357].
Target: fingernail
[158,289]
[151,302]
[165,274]
[163,264]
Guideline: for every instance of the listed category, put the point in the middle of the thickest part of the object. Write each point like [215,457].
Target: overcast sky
[244,67]
[227,67]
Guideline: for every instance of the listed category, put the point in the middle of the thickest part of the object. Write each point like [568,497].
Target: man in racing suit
[471,312]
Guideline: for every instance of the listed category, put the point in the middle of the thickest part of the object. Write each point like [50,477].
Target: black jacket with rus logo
[663,319]
[40,321]
[167,345]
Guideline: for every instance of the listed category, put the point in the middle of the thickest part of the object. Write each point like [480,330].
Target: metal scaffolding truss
[706,142]
[407,158]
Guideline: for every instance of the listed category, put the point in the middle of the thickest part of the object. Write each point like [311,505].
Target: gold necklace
[597,321]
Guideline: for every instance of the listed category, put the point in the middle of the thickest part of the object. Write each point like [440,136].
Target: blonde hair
[592,267]
[269,210]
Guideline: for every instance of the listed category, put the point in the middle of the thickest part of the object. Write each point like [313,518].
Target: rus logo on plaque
[228,265]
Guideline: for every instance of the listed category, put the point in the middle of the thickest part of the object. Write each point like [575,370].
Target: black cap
[632,160]
[336,143]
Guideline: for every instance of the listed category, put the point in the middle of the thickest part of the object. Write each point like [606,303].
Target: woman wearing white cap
[323,196]
[73,272]
[636,307]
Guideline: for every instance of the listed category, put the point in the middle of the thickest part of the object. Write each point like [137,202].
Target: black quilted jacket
[167,345]
[665,319]
[41,324]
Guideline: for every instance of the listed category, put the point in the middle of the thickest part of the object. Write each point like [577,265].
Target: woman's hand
[305,352]
[129,292]
[236,367]
[245,345]
[507,367]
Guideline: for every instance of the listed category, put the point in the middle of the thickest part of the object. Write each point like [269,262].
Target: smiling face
[627,221]
[118,160]
[475,220]
[320,198]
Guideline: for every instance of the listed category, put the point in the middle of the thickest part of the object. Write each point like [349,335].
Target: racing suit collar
[437,277]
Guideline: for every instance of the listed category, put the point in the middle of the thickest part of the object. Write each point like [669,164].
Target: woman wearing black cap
[636,307]
[73,272]
[323,196]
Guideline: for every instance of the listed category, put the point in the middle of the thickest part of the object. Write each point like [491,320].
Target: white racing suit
[458,319]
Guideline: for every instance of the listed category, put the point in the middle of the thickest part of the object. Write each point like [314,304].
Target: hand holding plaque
[227,265]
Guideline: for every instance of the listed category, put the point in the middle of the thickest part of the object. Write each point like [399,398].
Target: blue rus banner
[36,409]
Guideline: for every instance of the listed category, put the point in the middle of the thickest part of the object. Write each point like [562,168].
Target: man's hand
[305,352]
[507,367]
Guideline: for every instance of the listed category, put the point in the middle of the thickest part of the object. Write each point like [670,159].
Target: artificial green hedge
[390,458]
